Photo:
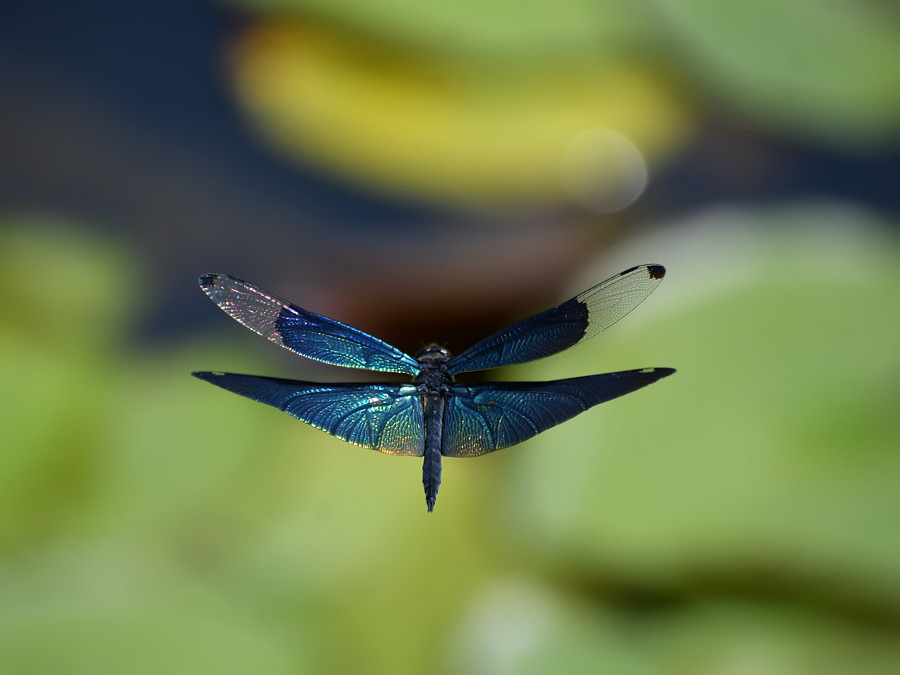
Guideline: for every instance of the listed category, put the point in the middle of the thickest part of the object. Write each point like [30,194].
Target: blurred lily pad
[770,459]
[102,617]
[824,70]
[63,287]
[62,305]
[514,627]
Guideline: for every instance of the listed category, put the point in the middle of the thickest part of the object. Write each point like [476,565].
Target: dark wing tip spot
[656,271]
[207,280]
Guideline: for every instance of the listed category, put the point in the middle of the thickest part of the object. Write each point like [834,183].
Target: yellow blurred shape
[449,130]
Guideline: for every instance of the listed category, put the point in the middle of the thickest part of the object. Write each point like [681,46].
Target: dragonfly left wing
[303,332]
[481,418]
[384,417]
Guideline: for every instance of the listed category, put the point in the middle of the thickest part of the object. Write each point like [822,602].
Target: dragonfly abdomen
[433,409]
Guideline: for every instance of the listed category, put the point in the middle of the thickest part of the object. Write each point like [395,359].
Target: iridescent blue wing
[481,418]
[384,417]
[562,327]
[305,333]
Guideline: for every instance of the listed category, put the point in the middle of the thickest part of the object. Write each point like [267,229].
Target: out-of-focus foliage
[736,517]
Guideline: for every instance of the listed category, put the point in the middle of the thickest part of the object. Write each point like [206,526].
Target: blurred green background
[435,171]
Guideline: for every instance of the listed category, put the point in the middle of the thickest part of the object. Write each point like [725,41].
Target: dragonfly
[433,416]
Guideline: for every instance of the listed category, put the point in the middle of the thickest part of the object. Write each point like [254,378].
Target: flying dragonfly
[434,416]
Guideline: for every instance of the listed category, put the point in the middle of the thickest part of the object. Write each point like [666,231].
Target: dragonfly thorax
[433,378]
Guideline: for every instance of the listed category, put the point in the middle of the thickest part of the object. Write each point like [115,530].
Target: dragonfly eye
[433,353]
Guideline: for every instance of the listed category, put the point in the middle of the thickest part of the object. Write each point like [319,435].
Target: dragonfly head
[433,352]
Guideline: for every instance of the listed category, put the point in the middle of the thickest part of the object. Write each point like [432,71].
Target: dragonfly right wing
[564,326]
[384,417]
[481,418]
